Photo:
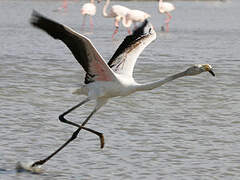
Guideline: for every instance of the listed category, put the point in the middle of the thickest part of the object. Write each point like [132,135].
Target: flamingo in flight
[105,80]
[117,12]
[166,7]
[90,10]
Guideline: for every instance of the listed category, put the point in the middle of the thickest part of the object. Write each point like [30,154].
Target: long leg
[91,22]
[75,134]
[64,6]
[135,25]
[115,32]
[64,120]
[116,23]
[83,23]
[167,21]
[129,30]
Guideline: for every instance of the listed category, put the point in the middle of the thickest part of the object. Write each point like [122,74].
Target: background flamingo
[117,12]
[134,16]
[90,10]
[166,7]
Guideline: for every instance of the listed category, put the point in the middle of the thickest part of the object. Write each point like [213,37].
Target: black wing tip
[35,17]
[39,19]
[129,40]
[53,28]
[35,13]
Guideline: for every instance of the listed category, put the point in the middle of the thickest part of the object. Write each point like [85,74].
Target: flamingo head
[199,68]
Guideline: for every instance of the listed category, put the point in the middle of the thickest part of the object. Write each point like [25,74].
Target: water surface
[187,129]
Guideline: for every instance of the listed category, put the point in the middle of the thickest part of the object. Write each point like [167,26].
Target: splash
[27,167]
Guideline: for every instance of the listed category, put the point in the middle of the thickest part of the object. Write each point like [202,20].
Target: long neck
[104,12]
[153,85]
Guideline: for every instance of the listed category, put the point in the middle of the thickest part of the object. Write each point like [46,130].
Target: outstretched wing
[80,46]
[125,57]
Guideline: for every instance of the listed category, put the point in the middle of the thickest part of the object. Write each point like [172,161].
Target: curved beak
[211,72]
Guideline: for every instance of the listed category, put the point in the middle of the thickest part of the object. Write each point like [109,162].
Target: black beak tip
[212,73]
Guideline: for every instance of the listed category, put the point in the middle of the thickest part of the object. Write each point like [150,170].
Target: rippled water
[187,129]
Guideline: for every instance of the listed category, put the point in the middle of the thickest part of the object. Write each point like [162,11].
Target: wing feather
[125,57]
[81,47]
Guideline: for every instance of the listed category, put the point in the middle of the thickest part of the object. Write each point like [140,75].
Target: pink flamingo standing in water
[90,10]
[117,12]
[166,7]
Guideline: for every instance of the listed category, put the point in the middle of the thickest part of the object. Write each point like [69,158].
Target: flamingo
[90,10]
[166,7]
[134,16]
[117,12]
[105,80]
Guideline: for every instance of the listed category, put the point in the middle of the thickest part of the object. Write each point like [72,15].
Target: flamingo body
[134,16]
[88,9]
[137,15]
[166,7]
[118,10]
[105,80]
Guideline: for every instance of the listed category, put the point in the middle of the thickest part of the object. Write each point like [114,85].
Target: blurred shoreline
[131,0]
